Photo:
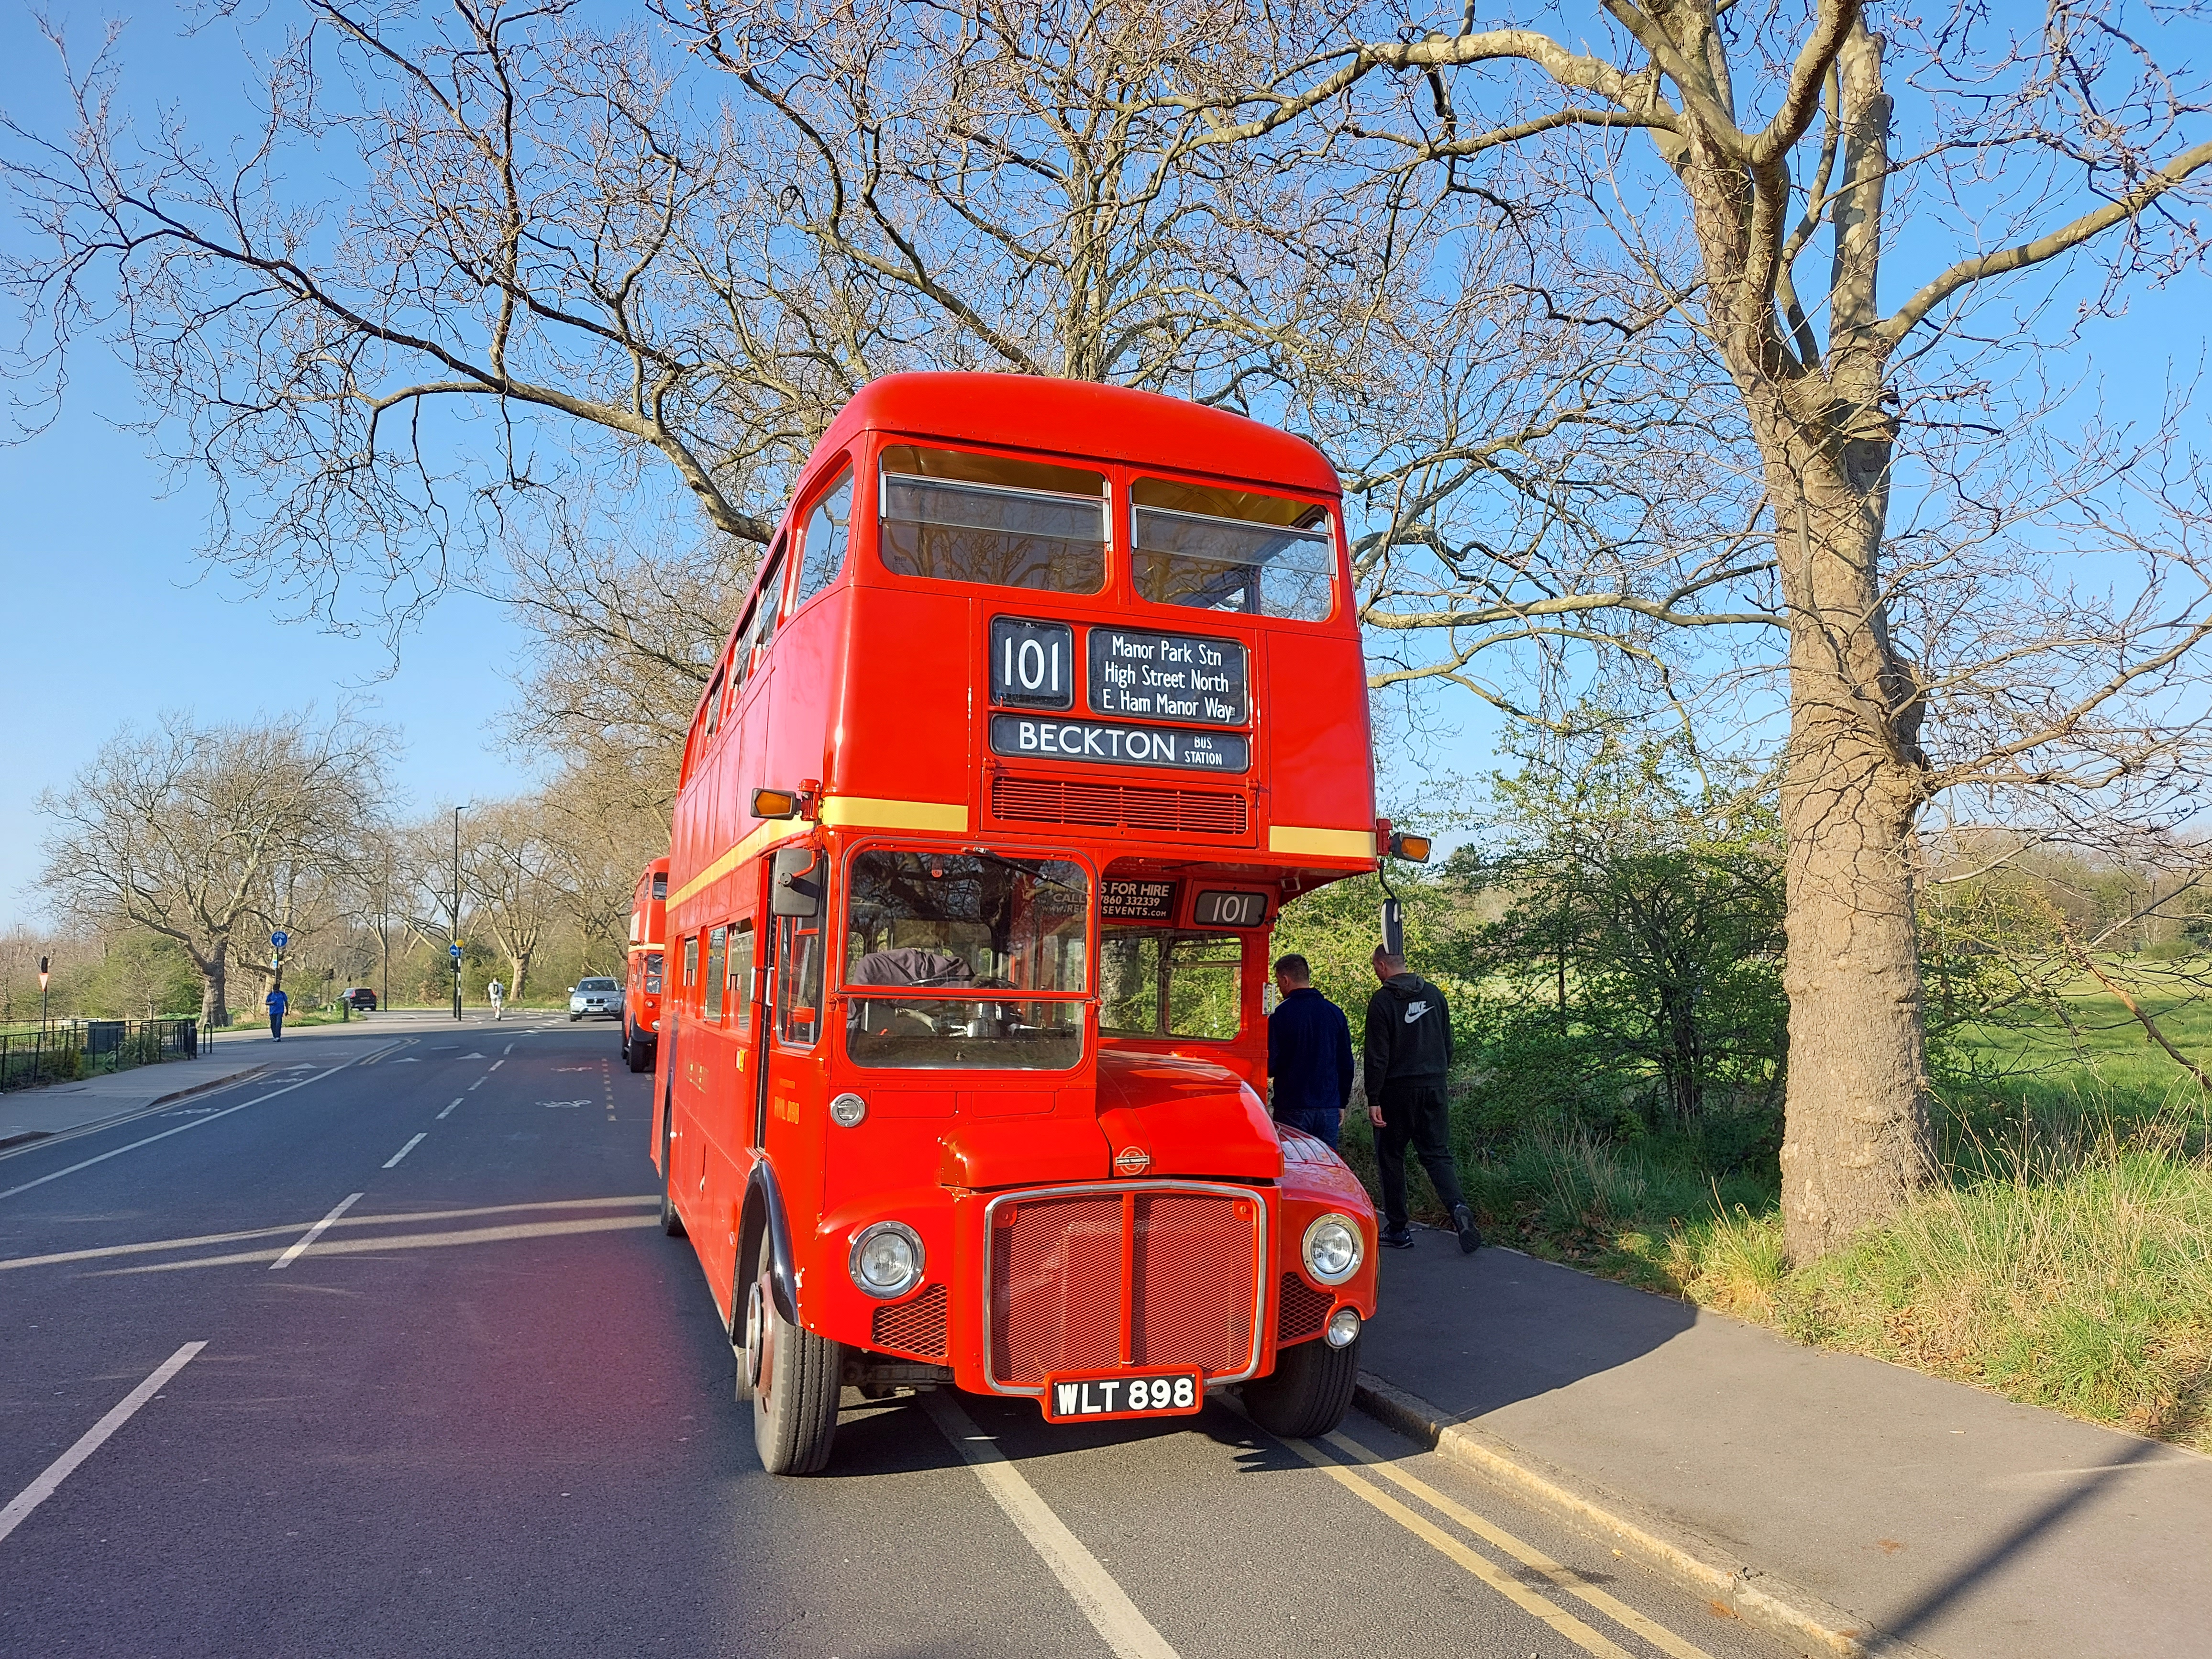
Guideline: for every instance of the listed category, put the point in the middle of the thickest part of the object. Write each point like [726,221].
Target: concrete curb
[1759,1599]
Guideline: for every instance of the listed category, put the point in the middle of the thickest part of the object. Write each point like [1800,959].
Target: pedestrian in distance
[1309,1054]
[497,992]
[1407,1052]
[278,1003]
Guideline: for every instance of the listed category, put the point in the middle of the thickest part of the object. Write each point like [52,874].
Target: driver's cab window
[1165,983]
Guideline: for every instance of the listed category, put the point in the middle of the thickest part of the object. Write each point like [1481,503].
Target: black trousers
[1414,1112]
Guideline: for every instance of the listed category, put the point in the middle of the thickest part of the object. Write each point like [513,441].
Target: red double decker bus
[648,936]
[1047,696]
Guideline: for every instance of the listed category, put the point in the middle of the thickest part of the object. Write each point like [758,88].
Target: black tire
[795,1377]
[572,1018]
[1309,1392]
[671,1223]
[637,1051]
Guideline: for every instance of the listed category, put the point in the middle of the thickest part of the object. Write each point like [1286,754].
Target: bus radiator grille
[1059,1298]
[1305,1309]
[1194,1266]
[1128,805]
[915,1328]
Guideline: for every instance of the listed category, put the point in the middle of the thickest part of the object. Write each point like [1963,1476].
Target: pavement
[383,1352]
[1857,1506]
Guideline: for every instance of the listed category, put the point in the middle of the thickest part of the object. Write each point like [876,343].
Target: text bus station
[1047,696]
[648,937]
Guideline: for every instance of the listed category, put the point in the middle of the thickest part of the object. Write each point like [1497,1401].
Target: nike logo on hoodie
[1416,1011]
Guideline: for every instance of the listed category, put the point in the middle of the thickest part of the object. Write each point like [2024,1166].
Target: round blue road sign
[280,940]
[457,953]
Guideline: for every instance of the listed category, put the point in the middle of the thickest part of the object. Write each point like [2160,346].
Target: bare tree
[511,869]
[625,628]
[605,822]
[205,835]
[536,236]
[1906,501]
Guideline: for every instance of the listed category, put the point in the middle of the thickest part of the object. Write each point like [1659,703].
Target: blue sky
[107,618]
[105,623]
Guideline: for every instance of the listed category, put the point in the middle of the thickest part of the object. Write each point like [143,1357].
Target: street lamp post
[457,912]
[44,964]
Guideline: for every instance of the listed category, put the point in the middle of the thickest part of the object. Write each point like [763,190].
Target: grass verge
[2065,1259]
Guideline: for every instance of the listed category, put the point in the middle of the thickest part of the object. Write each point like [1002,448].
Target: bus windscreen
[981,961]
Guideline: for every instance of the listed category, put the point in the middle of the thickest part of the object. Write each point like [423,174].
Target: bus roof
[1082,417]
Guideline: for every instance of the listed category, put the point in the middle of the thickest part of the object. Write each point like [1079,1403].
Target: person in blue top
[278,1003]
[1308,1054]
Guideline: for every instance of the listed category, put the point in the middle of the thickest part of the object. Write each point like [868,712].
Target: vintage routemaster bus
[1047,696]
[648,935]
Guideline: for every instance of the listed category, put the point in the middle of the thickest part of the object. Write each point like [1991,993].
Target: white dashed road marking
[408,1148]
[58,1470]
[1104,1601]
[315,1232]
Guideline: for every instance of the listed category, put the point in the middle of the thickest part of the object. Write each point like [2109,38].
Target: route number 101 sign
[1032,663]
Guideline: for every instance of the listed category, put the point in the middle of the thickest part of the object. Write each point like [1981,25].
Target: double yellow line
[1362,1477]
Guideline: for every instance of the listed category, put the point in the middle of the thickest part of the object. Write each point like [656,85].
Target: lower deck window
[1164,983]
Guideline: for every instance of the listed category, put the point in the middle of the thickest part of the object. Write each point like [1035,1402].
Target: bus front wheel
[637,1050]
[1309,1391]
[794,1377]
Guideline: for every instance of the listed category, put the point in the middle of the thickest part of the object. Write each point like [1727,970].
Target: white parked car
[602,997]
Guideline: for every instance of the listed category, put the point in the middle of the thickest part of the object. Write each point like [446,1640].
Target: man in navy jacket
[1308,1054]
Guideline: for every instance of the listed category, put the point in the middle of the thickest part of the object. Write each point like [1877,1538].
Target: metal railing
[64,1050]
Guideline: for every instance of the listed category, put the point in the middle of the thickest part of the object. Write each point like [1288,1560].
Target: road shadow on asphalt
[897,1436]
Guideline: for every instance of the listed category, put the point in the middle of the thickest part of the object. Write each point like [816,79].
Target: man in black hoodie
[1408,1053]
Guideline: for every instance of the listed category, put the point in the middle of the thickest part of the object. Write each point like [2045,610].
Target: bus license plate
[1098,1396]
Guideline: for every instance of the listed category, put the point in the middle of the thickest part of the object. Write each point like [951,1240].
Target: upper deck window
[822,554]
[1232,550]
[961,518]
[760,626]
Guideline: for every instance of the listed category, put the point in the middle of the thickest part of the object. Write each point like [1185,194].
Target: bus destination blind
[1169,676]
[1097,744]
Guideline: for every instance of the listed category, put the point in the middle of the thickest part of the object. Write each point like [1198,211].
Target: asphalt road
[487,1411]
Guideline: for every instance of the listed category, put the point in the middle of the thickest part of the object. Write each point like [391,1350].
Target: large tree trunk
[1855,1139]
[215,989]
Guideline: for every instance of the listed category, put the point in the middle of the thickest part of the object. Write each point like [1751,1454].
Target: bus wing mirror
[1415,849]
[795,883]
[775,803]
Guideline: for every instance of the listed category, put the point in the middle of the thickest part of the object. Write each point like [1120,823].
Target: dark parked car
[359,998]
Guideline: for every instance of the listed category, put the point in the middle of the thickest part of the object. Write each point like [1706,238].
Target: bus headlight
[1343,1328]
[886,1259]
[1333,1249]
[847,1110]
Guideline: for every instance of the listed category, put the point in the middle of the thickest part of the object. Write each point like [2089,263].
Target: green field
[2062,1256]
